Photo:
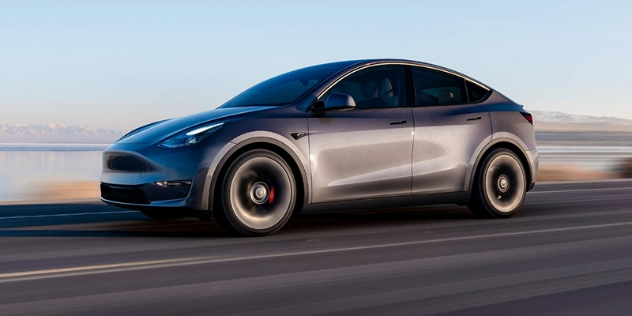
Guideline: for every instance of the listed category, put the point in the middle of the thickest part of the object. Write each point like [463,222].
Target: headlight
[140,129]
[191,137]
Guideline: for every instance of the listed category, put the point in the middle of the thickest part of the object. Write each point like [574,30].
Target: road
[568,252]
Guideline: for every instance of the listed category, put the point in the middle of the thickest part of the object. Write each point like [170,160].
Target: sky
[121,64]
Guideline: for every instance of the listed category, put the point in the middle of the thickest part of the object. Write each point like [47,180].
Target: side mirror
[337,101]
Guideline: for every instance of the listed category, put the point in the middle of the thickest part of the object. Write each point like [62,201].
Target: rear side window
[434,87]
[475,92]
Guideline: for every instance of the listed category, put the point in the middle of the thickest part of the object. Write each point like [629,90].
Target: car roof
[350,64]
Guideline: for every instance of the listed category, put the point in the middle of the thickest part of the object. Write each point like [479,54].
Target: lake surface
[26,168]
[590,158]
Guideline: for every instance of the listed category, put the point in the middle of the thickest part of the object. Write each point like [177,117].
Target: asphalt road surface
[569,252]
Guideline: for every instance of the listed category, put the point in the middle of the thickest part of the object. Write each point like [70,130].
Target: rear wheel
[500,185]
[257,195]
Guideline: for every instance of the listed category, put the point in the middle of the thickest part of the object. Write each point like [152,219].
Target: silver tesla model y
[351,135]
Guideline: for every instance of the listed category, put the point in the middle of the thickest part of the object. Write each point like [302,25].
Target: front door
[365,152]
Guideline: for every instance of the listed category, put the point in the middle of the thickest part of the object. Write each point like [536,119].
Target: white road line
[580,190]
[130,266]
[69,214]
[582,200]
[95,267]
[546,183]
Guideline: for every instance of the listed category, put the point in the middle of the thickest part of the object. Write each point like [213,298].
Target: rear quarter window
[475,92]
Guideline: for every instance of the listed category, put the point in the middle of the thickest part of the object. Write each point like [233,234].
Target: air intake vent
[123,194]
[127,163]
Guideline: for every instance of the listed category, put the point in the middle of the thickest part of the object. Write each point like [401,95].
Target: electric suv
[352,134]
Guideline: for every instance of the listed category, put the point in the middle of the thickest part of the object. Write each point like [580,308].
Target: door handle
[478,118]
[398,122]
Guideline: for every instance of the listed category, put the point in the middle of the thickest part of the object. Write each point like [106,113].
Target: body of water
[590,158]
[26,169]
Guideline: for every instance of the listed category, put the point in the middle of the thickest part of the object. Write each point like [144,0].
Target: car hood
[161,130]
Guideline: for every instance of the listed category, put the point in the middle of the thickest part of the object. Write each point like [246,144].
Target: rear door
[449,129]
[364,152]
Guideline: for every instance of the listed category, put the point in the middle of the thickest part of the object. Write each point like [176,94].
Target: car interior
[374,89]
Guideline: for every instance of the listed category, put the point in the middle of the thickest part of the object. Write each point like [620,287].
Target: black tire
[298,208]
[500,185]
[159,215]
[257,194]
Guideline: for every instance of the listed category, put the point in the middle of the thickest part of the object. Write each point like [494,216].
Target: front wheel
[257,195]
[500,185]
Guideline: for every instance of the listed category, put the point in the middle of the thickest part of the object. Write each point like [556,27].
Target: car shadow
[97,220]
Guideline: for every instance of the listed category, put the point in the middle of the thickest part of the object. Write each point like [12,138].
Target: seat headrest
[445,97]
[386,93]
[386,88]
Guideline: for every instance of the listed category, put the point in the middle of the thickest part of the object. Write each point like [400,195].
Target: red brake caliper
[271,196]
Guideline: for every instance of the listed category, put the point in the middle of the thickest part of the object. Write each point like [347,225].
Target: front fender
[256,138]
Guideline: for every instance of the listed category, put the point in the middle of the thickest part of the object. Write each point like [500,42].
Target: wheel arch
[270,144]
[506,143]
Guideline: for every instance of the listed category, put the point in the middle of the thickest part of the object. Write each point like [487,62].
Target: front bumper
[145,194]
[130,173]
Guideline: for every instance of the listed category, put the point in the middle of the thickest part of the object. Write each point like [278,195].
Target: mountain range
[59,133]
[56,133]
[563,122]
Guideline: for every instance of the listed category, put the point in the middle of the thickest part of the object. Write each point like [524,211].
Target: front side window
[373,88]
[434,87]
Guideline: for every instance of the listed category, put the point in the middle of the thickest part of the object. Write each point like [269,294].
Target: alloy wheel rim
[260,193]
[505,183]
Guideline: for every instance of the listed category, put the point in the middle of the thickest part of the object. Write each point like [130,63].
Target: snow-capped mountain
[559,117]
[59,133]
[56,133]
[558,121]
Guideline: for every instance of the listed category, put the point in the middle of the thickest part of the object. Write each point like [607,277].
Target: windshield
[285,88]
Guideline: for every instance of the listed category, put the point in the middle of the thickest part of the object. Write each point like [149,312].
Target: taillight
[527,117]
